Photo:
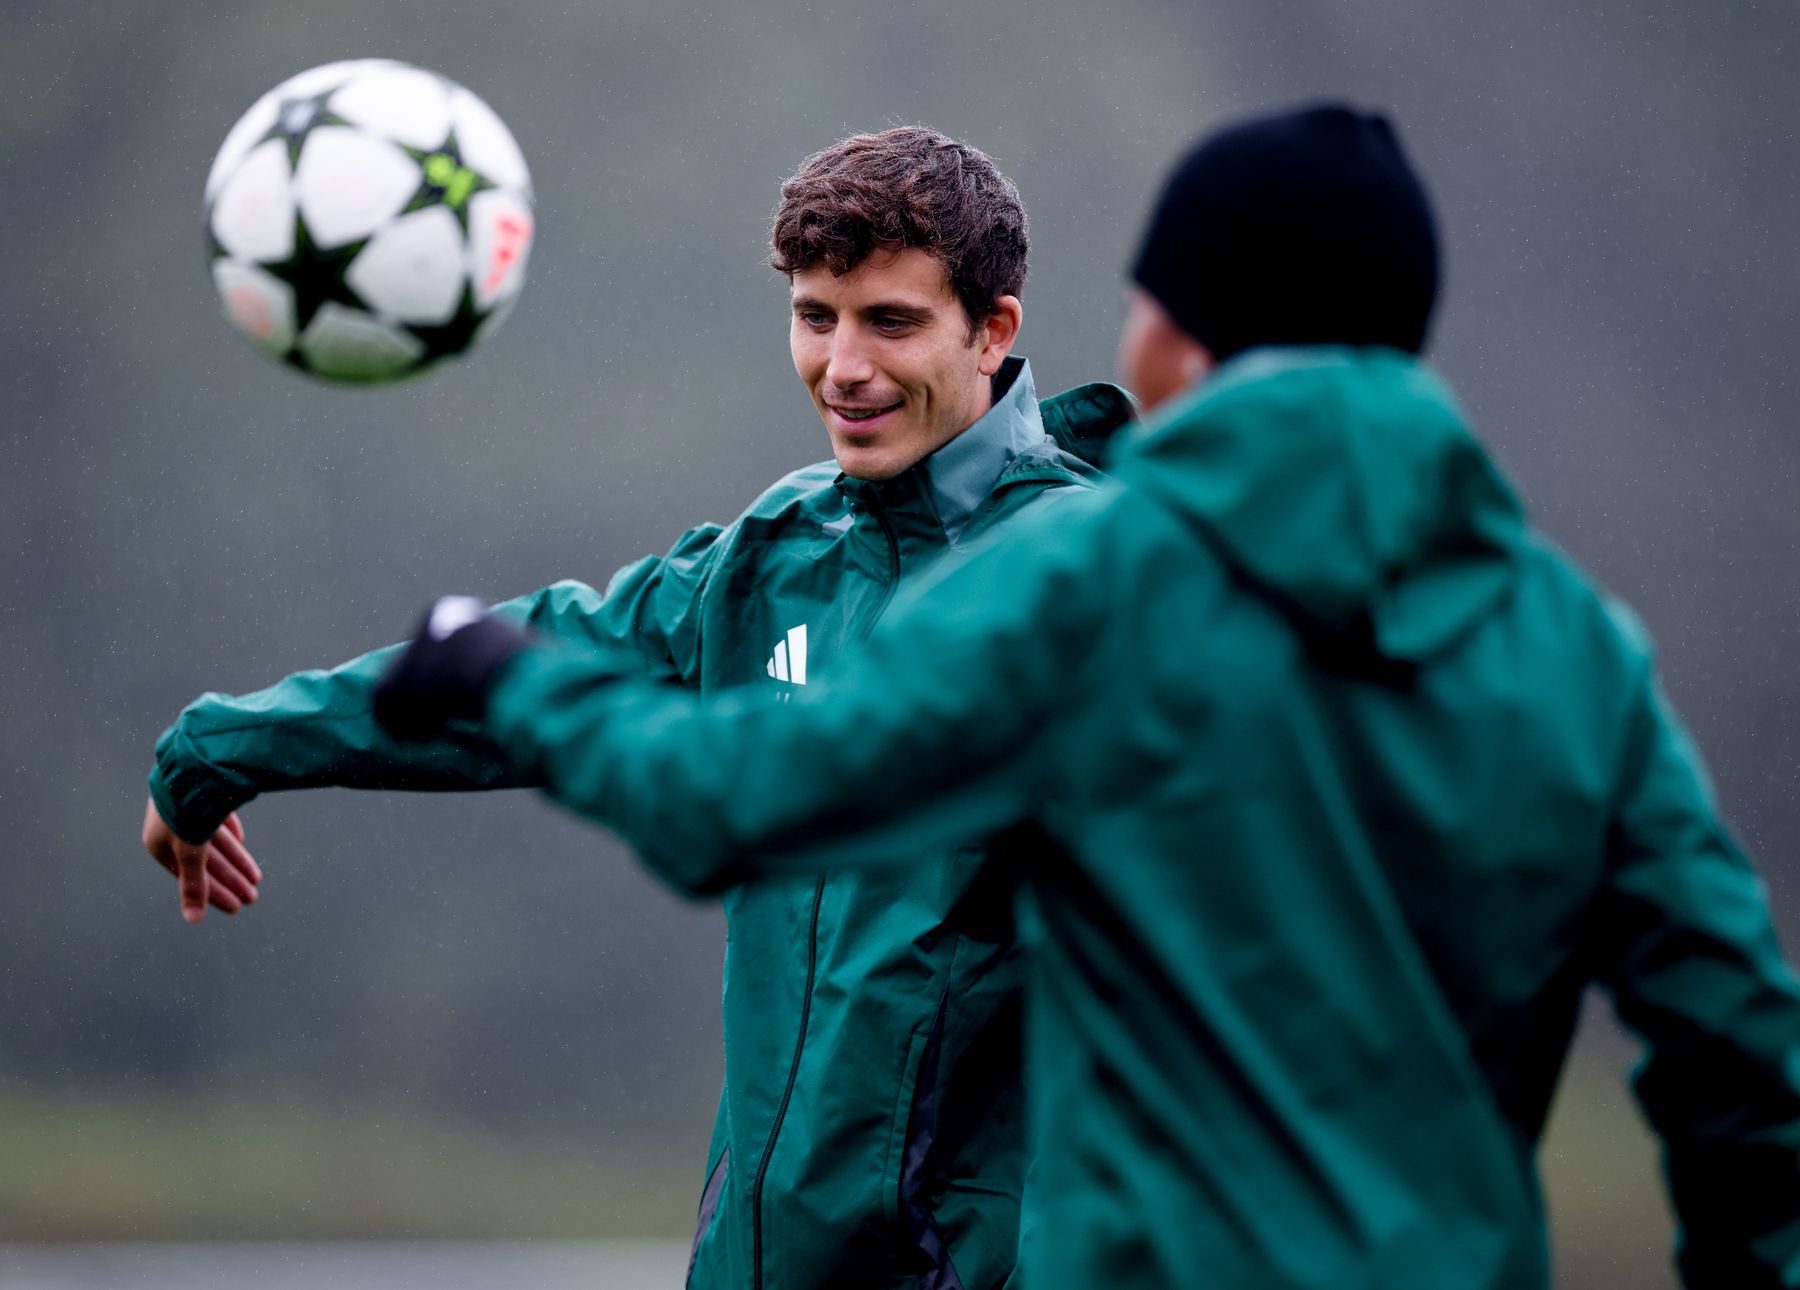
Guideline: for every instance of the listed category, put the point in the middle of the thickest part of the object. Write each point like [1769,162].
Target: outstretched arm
[317,728]
[1687,949]
[928,735]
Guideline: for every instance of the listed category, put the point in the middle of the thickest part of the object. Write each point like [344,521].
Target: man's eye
[812,318]
[892,326]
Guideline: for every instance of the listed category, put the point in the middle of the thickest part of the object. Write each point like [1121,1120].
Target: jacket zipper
[787,1094]
[812,956]
[887,531]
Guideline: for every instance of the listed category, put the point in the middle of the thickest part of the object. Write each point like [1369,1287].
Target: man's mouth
[857,416]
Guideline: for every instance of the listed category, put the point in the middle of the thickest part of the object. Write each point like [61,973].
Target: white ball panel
[258,303]
[349,345]
[349,184]
[500,230]
[413,269]
[488,147]
[397,101]
[252,126]
[253,217]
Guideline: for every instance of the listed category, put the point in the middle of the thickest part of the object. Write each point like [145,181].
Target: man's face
[886,354]
[1157,359]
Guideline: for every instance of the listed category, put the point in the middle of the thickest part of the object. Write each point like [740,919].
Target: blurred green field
[1609,1217]
[136,1165]
[80,1165]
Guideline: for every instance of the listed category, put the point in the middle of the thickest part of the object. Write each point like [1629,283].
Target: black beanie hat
[1306,228]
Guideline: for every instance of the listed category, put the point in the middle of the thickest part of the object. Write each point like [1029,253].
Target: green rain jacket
[871,1127]
[1335,785]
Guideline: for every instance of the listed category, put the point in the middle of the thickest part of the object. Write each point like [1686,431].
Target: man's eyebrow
[919,313]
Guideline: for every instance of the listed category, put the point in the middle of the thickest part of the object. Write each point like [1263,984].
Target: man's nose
[850,363]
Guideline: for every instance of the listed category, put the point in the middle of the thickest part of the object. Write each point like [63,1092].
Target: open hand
[219,872]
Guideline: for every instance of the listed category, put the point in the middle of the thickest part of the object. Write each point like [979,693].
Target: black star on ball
[317,276]
[299,117]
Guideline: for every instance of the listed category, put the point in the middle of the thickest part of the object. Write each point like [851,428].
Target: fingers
[230,846]
[190,877]
[221,895]
[235,823]
[229,880]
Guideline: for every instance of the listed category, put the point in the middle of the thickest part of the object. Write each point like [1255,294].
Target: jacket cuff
[192,799]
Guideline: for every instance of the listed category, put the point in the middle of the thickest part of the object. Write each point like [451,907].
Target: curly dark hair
[908,186]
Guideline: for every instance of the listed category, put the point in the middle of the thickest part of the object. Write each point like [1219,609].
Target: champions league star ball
[368,219]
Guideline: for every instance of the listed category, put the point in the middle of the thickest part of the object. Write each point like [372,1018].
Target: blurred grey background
[472,1018]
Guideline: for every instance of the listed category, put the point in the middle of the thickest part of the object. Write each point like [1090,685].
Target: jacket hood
[1086,421]
[1345,485]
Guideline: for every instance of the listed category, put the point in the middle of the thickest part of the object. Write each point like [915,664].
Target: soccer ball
[368,219]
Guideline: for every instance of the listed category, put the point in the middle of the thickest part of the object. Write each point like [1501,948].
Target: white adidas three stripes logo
[789,663]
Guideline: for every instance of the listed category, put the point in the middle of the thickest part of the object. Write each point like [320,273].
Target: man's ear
[1196,363]
[997,333]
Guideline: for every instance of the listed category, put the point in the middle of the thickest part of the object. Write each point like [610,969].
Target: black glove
[445,673]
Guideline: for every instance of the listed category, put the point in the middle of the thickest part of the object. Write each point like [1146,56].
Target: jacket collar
[963,472]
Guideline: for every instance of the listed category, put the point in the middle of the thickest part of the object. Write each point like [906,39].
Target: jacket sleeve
[925,737]
[1688,951]
[316,729]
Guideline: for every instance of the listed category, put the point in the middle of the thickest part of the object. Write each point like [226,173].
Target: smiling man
[870,1131]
